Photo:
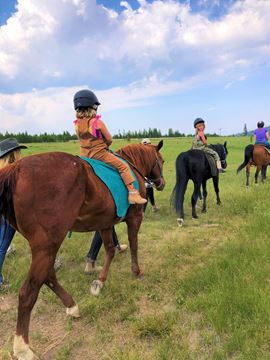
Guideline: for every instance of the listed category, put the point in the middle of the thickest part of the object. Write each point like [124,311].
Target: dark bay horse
[44,196]
[193,165]
[258,156]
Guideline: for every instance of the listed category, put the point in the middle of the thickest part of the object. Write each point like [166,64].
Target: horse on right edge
[258,156]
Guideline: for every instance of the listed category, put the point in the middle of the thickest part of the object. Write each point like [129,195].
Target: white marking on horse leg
[22,350]
[73,311]
[180,222]
[96,286]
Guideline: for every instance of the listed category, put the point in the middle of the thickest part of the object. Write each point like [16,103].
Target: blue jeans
[96,245]
[6,235]
[264,143]
[149,196]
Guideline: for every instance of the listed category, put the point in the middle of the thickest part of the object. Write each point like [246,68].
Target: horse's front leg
[194,199]
[133,224]
[215,182]
[204,196]
[42,264]
[97,285]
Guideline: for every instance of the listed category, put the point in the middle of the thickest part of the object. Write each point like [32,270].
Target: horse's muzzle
[161,185]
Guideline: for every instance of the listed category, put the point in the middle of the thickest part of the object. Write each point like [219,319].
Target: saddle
[112,179]
[266,148]
[212,164]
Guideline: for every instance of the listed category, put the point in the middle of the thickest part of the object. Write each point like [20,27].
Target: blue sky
[151,63]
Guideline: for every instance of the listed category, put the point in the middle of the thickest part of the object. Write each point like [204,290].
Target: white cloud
[51,110]
[160,48]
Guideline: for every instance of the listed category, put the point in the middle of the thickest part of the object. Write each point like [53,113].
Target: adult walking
[10,151]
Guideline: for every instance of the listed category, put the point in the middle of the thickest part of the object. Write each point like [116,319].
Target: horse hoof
[96,286]
[22,350]
[180,222]
[204,210]
[195,217]
[73,311]
[139,275]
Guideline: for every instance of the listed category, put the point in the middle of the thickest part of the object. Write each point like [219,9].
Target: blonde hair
[88,113]
[10,158]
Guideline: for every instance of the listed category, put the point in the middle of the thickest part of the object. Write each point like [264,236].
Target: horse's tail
[177,197]
[8,179]
[248,157]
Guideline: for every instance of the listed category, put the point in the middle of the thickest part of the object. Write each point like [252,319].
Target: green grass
[206,289]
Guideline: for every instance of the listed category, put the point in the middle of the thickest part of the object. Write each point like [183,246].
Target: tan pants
[114,161]
[212,153]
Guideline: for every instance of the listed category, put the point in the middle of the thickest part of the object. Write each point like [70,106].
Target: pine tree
[245,130]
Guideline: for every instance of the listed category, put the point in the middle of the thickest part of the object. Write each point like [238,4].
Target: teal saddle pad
[112,179]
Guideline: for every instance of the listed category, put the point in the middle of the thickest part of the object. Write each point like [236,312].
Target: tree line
[24,137]
[152,133]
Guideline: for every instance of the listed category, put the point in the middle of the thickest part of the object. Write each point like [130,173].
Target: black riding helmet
[198,121]
[260,124]
[85,99]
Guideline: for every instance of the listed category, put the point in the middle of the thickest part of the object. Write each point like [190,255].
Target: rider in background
[200,142]
[261,135]
[95,140]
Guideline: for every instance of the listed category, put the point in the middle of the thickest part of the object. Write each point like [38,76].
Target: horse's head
[156,174]
[147,160]
[223,152]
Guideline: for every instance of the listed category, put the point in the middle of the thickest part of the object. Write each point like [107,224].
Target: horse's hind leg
[71,307]
[215,182]
[97,285]
[247,174]
[258,169]
[264,173]
[194,199]
[42,264]
[181,198]
[204,196]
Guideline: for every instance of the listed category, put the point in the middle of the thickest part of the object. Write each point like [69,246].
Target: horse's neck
[139,159]
[214,147]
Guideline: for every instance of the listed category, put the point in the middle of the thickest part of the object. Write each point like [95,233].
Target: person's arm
[105,132]
[202,137]
[267,135]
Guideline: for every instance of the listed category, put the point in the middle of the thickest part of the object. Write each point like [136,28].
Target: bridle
[224,154]
[160,171]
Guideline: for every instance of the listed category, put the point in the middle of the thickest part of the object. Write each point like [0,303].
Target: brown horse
[258,156]
[44,196]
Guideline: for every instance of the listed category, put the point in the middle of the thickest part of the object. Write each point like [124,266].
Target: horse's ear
[160,144]
[225,144]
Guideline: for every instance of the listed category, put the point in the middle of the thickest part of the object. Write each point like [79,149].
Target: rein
[149,181]
[214,147]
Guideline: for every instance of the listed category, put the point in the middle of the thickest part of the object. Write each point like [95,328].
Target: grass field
[205,293]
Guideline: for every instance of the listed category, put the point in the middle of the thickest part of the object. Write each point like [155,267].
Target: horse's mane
[219,148]
[138,154]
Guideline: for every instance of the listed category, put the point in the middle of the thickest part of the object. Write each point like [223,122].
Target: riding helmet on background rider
[260,124]
[198,121]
